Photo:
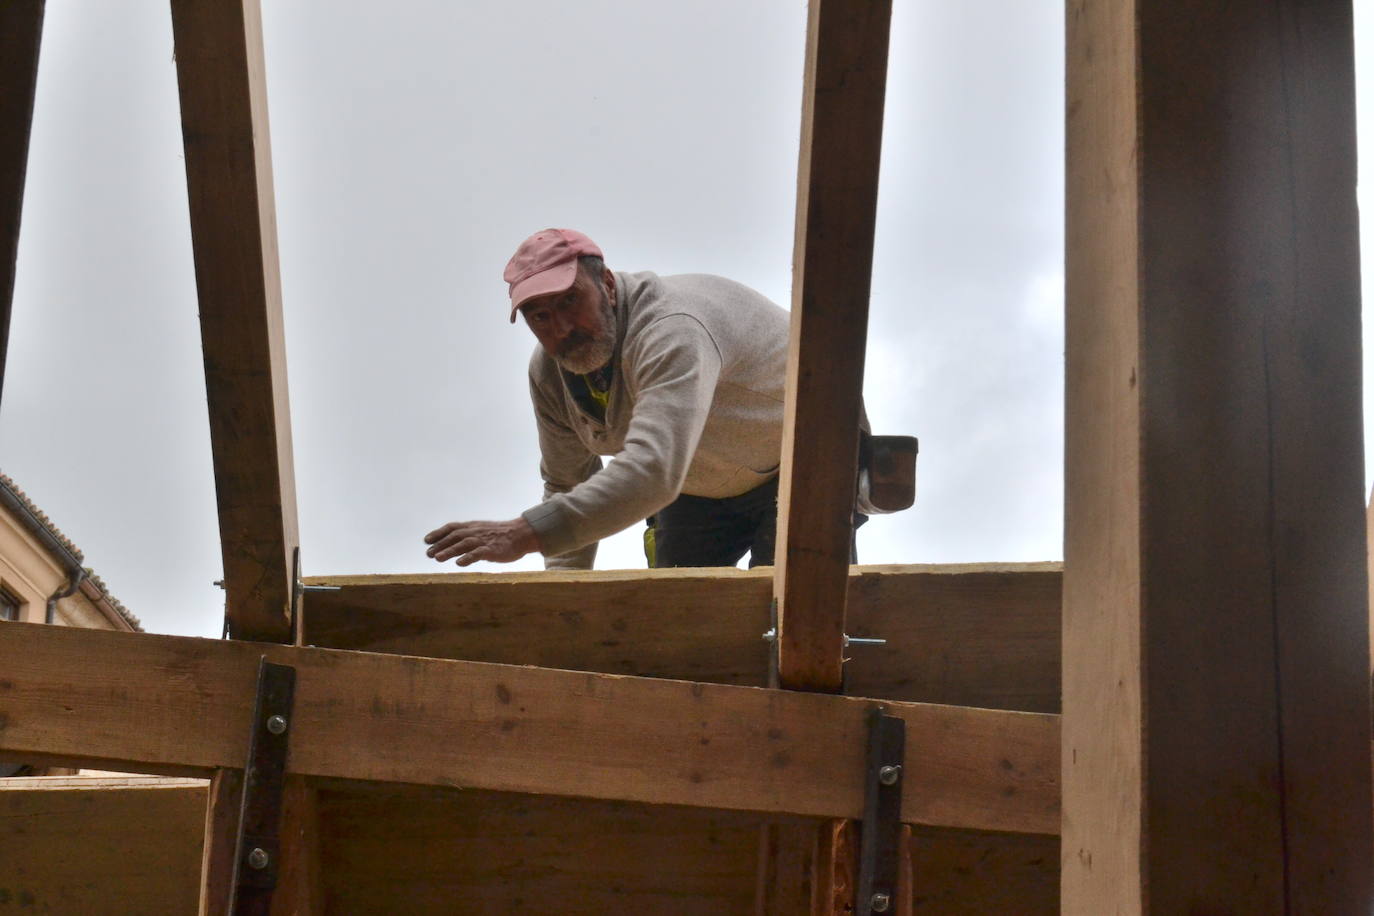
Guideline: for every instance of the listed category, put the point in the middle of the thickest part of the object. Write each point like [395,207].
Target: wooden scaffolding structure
[570,743]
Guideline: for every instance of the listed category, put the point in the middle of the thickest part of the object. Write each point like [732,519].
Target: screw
[880,902]
[258,859]
[889,775]
[276,724]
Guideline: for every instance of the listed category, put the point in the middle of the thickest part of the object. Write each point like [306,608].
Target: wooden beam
[21,32]
[837,196]
[174,704]
[982,635]
[221,77]
[1216,689]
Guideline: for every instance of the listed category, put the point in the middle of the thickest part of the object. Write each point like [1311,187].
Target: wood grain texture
[1102,762]
[300,887]
[423,851]
[837,195]
[21,33]
[967,873]
[125,847]
[222,84]
[218,841]
[982,635]
[1216,753]
[169,704]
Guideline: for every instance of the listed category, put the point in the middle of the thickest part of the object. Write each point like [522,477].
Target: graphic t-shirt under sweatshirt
[695,406]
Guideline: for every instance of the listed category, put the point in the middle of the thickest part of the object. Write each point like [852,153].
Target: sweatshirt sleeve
[564,462]
[674,366]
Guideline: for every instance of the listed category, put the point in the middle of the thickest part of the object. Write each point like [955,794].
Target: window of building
[9,606]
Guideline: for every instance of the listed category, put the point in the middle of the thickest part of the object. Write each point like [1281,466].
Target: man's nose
[560,325]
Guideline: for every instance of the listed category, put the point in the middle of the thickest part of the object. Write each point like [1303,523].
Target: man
[679,378]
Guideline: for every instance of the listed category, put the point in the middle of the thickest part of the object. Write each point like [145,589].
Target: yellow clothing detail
[601,397]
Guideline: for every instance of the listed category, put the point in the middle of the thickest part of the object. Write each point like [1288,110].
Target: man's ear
[608,278]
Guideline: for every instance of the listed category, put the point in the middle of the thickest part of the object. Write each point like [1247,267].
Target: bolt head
[880,902]
[258,858]
[276,724]
[889,775]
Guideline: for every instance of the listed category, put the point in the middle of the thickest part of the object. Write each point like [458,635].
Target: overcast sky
[414,145]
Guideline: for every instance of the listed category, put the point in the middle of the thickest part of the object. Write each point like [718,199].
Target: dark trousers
[697,531]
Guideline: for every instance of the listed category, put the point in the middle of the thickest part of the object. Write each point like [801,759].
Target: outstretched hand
[497,542]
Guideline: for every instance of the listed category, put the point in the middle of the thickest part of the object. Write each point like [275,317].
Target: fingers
[456,544]
[442,539]
[438,533]
[480,553]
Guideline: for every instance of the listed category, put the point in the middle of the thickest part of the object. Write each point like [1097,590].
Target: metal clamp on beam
[298,589]
[258,842]
[880,842]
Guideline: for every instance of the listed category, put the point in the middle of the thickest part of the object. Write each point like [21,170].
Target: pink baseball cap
[546,262]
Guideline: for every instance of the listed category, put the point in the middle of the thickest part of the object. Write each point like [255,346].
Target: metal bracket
[257,845]
[298,590]
[881,837]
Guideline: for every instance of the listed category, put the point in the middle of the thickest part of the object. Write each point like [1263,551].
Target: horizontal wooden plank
[982,635]
[164,703]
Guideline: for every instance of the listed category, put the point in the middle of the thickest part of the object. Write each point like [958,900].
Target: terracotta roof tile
[46,523]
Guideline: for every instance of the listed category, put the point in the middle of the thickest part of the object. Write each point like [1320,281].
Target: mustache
[575,341]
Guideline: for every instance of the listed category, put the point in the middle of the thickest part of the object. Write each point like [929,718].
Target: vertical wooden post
[217,851]
[837,198]
[222,83]
[21,33]
[1216,728]
[807,868]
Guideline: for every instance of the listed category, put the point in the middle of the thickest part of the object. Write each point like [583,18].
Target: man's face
[577,326]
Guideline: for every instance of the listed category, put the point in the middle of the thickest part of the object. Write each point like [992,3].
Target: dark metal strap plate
[258,845]
[881,839]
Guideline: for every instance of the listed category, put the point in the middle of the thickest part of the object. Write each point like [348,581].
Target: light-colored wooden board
[1216,695]
[171,704]
[118,848]
[982,635]
[844,86]
[222,83]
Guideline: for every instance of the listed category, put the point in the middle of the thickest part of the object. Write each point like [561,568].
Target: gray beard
[589,356]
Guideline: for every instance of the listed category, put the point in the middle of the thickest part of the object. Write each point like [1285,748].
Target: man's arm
[564,463]
[498,542]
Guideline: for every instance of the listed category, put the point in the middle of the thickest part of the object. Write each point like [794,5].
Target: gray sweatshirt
[696,406]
